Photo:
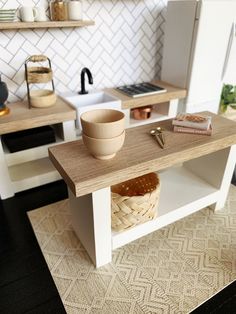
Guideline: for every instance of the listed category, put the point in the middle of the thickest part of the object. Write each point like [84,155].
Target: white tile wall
[124,46]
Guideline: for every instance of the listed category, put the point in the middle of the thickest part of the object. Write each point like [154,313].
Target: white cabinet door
[179,30]
[209,51]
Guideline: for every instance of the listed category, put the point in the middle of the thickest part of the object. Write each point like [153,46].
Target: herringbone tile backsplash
[124,46]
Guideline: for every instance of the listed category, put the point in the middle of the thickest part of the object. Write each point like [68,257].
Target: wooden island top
[140,155]
[23,118]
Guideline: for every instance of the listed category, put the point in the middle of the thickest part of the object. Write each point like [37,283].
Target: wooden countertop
[139,155]
[172,92]
[23,118]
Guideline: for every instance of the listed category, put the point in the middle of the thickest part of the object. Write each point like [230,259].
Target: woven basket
[129,211]
[39,74]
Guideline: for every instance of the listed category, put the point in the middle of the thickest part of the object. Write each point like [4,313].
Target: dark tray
[26,139]
[141,89]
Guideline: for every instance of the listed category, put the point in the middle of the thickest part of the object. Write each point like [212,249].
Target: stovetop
[141,89]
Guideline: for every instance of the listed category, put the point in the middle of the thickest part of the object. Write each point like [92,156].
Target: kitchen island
[195,172]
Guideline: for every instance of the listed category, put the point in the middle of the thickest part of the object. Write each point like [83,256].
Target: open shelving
[46,24]
[182,193]
[165,105]
[33,173]
[31,167]
[28,154]
[154,118]
[159,112]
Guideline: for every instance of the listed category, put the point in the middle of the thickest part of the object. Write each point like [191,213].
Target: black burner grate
[142,89]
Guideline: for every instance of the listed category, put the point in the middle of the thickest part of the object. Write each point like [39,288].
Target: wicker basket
[138,205]
[39,74]
[42,98]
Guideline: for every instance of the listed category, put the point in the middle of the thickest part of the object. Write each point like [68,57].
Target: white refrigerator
[198,44]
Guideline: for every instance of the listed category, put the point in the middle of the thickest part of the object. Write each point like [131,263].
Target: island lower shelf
[182,193]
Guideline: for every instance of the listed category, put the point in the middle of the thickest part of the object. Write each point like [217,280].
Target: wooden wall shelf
[47,24]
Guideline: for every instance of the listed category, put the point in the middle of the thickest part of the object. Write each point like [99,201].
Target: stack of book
[192,123]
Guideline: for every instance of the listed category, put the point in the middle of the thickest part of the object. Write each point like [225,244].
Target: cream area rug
[172,270]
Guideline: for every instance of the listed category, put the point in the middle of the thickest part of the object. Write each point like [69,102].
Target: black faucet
[82,76]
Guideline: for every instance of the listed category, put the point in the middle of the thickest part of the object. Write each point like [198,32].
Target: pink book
[181,129]
[194,121]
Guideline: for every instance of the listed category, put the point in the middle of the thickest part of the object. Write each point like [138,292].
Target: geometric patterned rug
[172,270]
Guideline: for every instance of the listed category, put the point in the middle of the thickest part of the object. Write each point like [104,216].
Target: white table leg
[226,178]
[217,169]
[91,220]
[69,133]
[173,108]
[6,187]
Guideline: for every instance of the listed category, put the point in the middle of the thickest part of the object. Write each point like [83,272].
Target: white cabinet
[160,112]
[30,168]
[164,105]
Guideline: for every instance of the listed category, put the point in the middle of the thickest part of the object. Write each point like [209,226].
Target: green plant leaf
[228,96]
[223,107]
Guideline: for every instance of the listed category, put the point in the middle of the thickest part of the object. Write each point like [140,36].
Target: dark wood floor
[222,302]
[26,285]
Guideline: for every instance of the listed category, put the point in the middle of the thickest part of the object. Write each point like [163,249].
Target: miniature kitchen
[130,138]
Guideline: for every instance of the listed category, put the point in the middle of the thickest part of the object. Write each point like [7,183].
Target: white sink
[93,100]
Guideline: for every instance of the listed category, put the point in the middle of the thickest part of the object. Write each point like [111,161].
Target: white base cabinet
[31,167]
[160,112]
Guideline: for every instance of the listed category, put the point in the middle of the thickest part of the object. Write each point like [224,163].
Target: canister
[74,10]
[59,10]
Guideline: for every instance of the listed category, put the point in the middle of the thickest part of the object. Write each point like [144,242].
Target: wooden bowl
[103,123]
[105,148]
[42,98]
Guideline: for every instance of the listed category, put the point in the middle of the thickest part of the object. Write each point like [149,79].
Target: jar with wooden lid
[59,10]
